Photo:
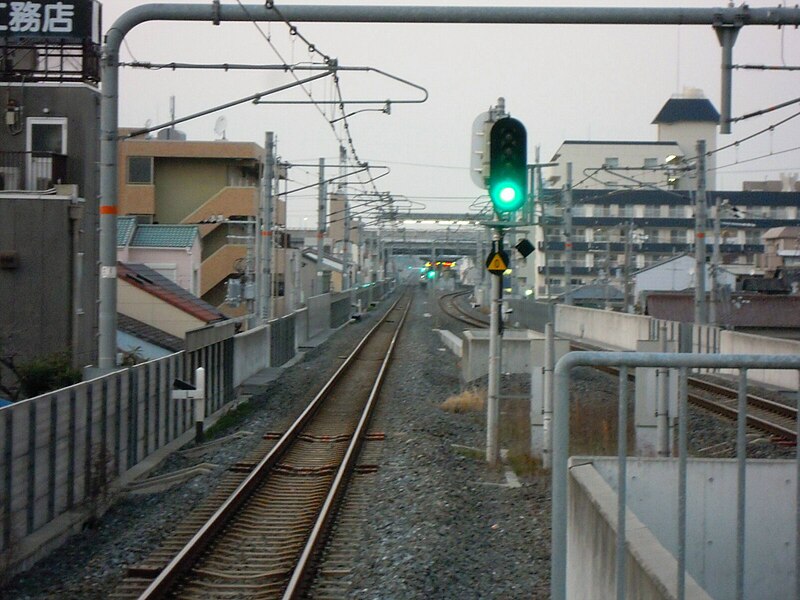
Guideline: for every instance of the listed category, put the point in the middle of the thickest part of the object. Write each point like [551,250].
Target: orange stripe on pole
[108,209]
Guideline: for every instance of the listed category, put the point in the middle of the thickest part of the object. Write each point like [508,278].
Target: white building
[676,274]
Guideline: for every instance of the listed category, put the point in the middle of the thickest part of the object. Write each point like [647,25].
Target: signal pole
[495,350]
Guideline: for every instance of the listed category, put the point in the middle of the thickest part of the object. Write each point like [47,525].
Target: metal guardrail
[683,362]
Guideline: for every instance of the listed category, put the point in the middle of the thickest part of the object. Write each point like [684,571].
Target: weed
[465,402]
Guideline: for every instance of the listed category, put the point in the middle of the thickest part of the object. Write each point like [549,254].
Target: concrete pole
[346,224]
[662,401]
[547,410]
[321,214]
[700,308]
[626,285]
[265,243]
[495,350]
[568,236]
[713,308]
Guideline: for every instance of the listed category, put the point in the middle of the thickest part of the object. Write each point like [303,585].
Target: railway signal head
[508,160]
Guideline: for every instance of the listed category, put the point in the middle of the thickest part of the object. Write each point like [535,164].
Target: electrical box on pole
[508,165]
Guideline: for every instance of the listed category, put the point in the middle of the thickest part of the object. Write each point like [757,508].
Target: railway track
[261,535]
[767,416]
[450,306]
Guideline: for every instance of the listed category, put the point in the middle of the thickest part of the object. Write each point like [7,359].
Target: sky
[596,82]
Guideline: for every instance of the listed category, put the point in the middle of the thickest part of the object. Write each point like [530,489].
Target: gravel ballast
[441,524]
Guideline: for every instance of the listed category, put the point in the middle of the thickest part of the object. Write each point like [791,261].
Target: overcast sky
[564,82]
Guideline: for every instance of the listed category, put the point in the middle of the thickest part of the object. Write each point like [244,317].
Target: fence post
[199,403]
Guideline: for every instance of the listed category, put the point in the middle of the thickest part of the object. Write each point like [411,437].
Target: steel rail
[299,577]
[448,300]
[198,544]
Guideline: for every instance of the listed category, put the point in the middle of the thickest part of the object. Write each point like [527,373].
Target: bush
[46,374]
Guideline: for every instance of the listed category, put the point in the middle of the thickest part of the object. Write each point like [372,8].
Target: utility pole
[568,236]
[626,271]
[321,191]
[346,225]
[700,308]
[265,238]
[713,309]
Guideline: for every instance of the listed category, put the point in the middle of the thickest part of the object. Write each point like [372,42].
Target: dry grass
[593,429]
[466,402]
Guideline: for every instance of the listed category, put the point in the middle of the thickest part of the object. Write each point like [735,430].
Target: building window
[611,162]
[650,163]
[752,237]
[140,169]
[677,211]
[651,211]
[626,210]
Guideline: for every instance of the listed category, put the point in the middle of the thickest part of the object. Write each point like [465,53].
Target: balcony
[31,171]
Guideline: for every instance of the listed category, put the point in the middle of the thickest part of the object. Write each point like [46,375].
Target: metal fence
[560,473]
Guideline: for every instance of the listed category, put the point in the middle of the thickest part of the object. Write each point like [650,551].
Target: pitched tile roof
[125,228]
[678,110]
[164,236]
[159,286]
[148,333]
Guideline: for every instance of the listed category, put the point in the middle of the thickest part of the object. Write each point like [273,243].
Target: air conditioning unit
[9,178]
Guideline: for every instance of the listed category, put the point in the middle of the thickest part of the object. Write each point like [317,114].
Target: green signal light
[507,196]
[431,274]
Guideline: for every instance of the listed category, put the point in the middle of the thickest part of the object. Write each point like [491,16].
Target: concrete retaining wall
[516,356]
[319,314]
[602,327]
[740,343]
[250,353]
[301,326]
[711,527]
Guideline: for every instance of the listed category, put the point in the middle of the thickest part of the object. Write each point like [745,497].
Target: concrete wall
[250,353]
[711,519]
[516,353]
[650,570]
[319,314]
[602,327]
[742,343]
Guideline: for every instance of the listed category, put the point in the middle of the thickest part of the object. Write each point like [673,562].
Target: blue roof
[164,236]
[679,110]
[125,227]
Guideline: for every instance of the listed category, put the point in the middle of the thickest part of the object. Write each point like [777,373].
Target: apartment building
[633,205]
[213,184]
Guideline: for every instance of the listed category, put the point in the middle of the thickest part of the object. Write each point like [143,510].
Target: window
[677,211]
[752,237]
[652,211]
[46,137]
[626,210]
[611,162]
[650,163]
[140,169]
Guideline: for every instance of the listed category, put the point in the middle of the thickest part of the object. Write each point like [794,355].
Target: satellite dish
[220,125]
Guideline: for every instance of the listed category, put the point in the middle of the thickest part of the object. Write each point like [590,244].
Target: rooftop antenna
[220,125]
